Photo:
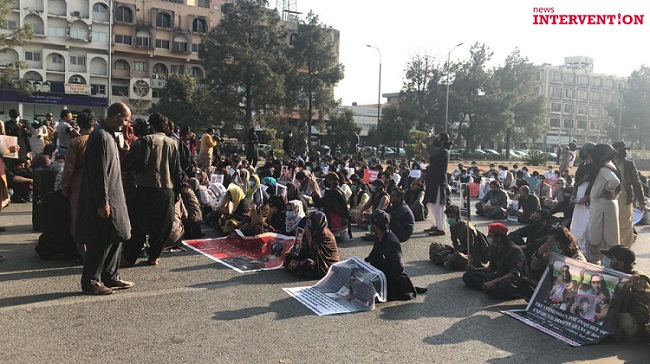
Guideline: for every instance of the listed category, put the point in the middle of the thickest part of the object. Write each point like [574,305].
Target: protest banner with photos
[245,253]
[349,286]
[575,302]
[216,178]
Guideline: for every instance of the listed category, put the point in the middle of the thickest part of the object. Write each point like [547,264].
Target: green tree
[315,69]
[423,92]
[394,124]
[635,121]
[340,128]
[244,58]
[185,103]
[11,39]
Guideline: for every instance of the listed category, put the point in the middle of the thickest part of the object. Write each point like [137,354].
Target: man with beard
[436,181]
[19,179]
[630,191]
[535,233]
[102,221]
[334,205]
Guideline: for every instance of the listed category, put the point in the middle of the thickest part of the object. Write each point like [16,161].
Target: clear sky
[401,29]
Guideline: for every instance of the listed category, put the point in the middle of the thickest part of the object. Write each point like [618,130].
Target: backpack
[438,252]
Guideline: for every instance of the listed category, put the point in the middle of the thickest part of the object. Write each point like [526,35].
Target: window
[204,4]
[609,84]
[568,108]
[78,60]
[124,15]
[57,58]
[100,37]
[176,69]
[162,44]
[595,96]
[540,74]
[156,94]
[123,39]
[196,72]
[176,1]
[555,123]
[160,69]
[292,38]
[556,92]
[582,109]
[142,42]
[37,27]
[556,76]
[595,111]
[163,20]
[568,78]
[100,8]
[55,31]
[582,124]
[101,90]
[556,107]
[140,66]
[196,48]
[584,80]
[200,26]
[568,93]
[597,82]
[568,124]
[180,46]
[78,33]
[121,65]
[120,90]
[32,56]
[594,125]
[9,24]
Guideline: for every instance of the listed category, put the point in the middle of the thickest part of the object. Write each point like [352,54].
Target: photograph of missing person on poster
[575,302]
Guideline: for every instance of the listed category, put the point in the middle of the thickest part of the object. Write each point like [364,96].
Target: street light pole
[447,99]
[379,89]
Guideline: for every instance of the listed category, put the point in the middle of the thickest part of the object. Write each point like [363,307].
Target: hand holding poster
[9,141]
[415,173]
[216,178]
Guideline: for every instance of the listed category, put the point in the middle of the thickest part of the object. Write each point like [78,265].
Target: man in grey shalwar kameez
[102,219]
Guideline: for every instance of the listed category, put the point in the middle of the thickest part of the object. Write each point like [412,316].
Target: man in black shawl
[102,220]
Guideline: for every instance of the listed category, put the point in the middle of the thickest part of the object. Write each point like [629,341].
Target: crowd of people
[134,189]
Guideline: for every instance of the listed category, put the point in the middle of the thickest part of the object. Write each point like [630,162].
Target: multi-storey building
[579,100]
[91,53]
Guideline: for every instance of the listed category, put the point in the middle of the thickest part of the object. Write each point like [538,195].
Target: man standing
[207,146]
[354,143]
[65,132]
[287,143]
[103,221]
[630,190]
[159,180]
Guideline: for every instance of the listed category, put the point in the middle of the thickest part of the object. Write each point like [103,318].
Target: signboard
[76,88]
[53,99]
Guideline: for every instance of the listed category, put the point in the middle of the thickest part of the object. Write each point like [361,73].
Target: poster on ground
[349,286]
[245,253]
[575,302]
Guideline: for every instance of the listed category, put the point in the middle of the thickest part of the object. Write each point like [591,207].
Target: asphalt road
[191,309]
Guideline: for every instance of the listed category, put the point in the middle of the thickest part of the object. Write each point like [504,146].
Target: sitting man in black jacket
[402,221]
[535,233]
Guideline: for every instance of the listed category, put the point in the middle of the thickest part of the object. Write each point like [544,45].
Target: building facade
[579,100]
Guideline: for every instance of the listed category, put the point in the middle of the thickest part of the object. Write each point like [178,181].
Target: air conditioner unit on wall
[75,13]
[76,80]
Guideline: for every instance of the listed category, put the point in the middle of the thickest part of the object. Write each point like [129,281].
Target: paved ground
[191,309]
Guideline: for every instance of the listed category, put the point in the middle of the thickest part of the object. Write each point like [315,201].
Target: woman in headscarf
[318,251]
[294,217]
[579,197]
[270,182]
[252,143]
[602,229]
[253,183]
[231,199]
[277,214]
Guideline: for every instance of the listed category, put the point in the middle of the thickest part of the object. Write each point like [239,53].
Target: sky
[402,29]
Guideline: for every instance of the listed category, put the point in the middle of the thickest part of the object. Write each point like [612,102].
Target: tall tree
[9,39]
[635,126]
[315,69]
[340,128]
[244,57]
[186,102]
[423,91]
[395,123]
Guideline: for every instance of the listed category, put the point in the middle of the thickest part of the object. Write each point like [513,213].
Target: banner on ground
[349,286]
[245,253]
[575,302]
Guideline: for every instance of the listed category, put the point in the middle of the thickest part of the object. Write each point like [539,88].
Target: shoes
[120,284]
[437,232]
[421,290]
[430,229]
[97,289]
[153,261]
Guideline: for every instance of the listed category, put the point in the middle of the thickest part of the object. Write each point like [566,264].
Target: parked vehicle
[492,152]
[367,151]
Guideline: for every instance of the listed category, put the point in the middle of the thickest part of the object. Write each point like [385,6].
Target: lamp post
[447,99]
[379,89]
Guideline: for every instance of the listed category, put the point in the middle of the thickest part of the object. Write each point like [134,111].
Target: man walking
[630,191]
[103,221]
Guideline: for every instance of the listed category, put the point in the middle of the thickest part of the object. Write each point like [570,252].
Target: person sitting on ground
[464,235]
[565,206]
[318,251]
[295,217]
[414,198]
[387,178]
[633,322]
[494,204]
[20,179]
[334,205]
[558,195]
[386,255]
[402,222]
[192,223]
[543,190]
[535,233]
[378,201]
[277,214]
[559,241]
[359,196]
[528,204]
[507,262]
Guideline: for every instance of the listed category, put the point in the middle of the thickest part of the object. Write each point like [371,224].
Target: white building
[365,116]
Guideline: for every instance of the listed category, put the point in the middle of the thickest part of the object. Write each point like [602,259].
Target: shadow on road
[22,300]
[286,308]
